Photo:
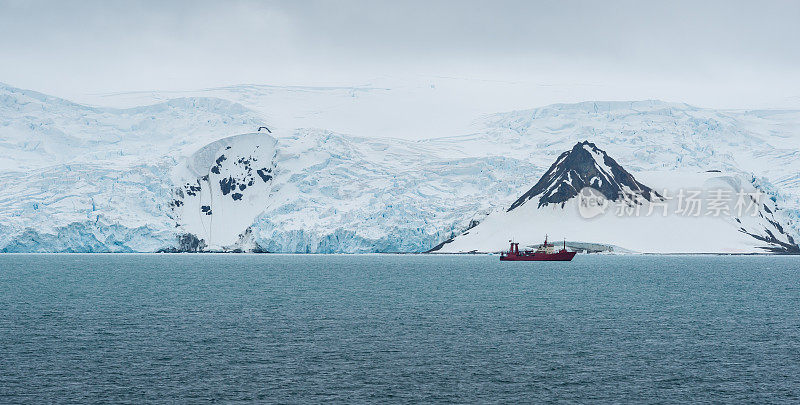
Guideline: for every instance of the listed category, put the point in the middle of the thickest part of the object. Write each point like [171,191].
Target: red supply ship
[545,252]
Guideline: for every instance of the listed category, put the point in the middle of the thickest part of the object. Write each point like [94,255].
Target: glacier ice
[83,178]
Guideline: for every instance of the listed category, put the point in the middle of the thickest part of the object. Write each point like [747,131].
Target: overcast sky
[716,54]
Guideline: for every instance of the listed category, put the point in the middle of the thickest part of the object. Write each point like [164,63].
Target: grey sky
[714,53]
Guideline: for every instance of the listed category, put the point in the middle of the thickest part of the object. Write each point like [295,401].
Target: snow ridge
[84,178]
[633,227]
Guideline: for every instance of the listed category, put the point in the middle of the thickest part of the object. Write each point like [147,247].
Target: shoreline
[390,254]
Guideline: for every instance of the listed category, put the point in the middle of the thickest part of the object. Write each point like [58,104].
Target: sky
[721,54]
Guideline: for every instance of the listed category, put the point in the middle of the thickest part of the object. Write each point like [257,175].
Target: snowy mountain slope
[336,193]
[37,130]
[649,135]
[758,215]
[411,106]
[223,187]
[584,165]
[331,193]
[81,178]
[363,110]
[645,135]
[651,223]
[655,136]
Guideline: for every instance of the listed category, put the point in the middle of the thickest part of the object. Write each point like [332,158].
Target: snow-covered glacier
[78,178]
[588,197]
[324,192]
[190,173]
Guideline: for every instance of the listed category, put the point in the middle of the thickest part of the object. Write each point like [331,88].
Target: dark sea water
[398,328]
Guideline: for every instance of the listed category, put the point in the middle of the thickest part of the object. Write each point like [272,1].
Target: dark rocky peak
[585,165]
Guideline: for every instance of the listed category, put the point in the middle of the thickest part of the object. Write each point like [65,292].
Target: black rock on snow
[585,166]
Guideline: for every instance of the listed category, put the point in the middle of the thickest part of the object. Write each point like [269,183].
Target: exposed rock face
[641,220]
[222,188]
[585,165]
[187,243]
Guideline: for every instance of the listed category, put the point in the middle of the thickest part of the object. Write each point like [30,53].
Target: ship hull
[538,257]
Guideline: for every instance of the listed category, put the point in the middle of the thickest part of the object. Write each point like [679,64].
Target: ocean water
[192,328]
